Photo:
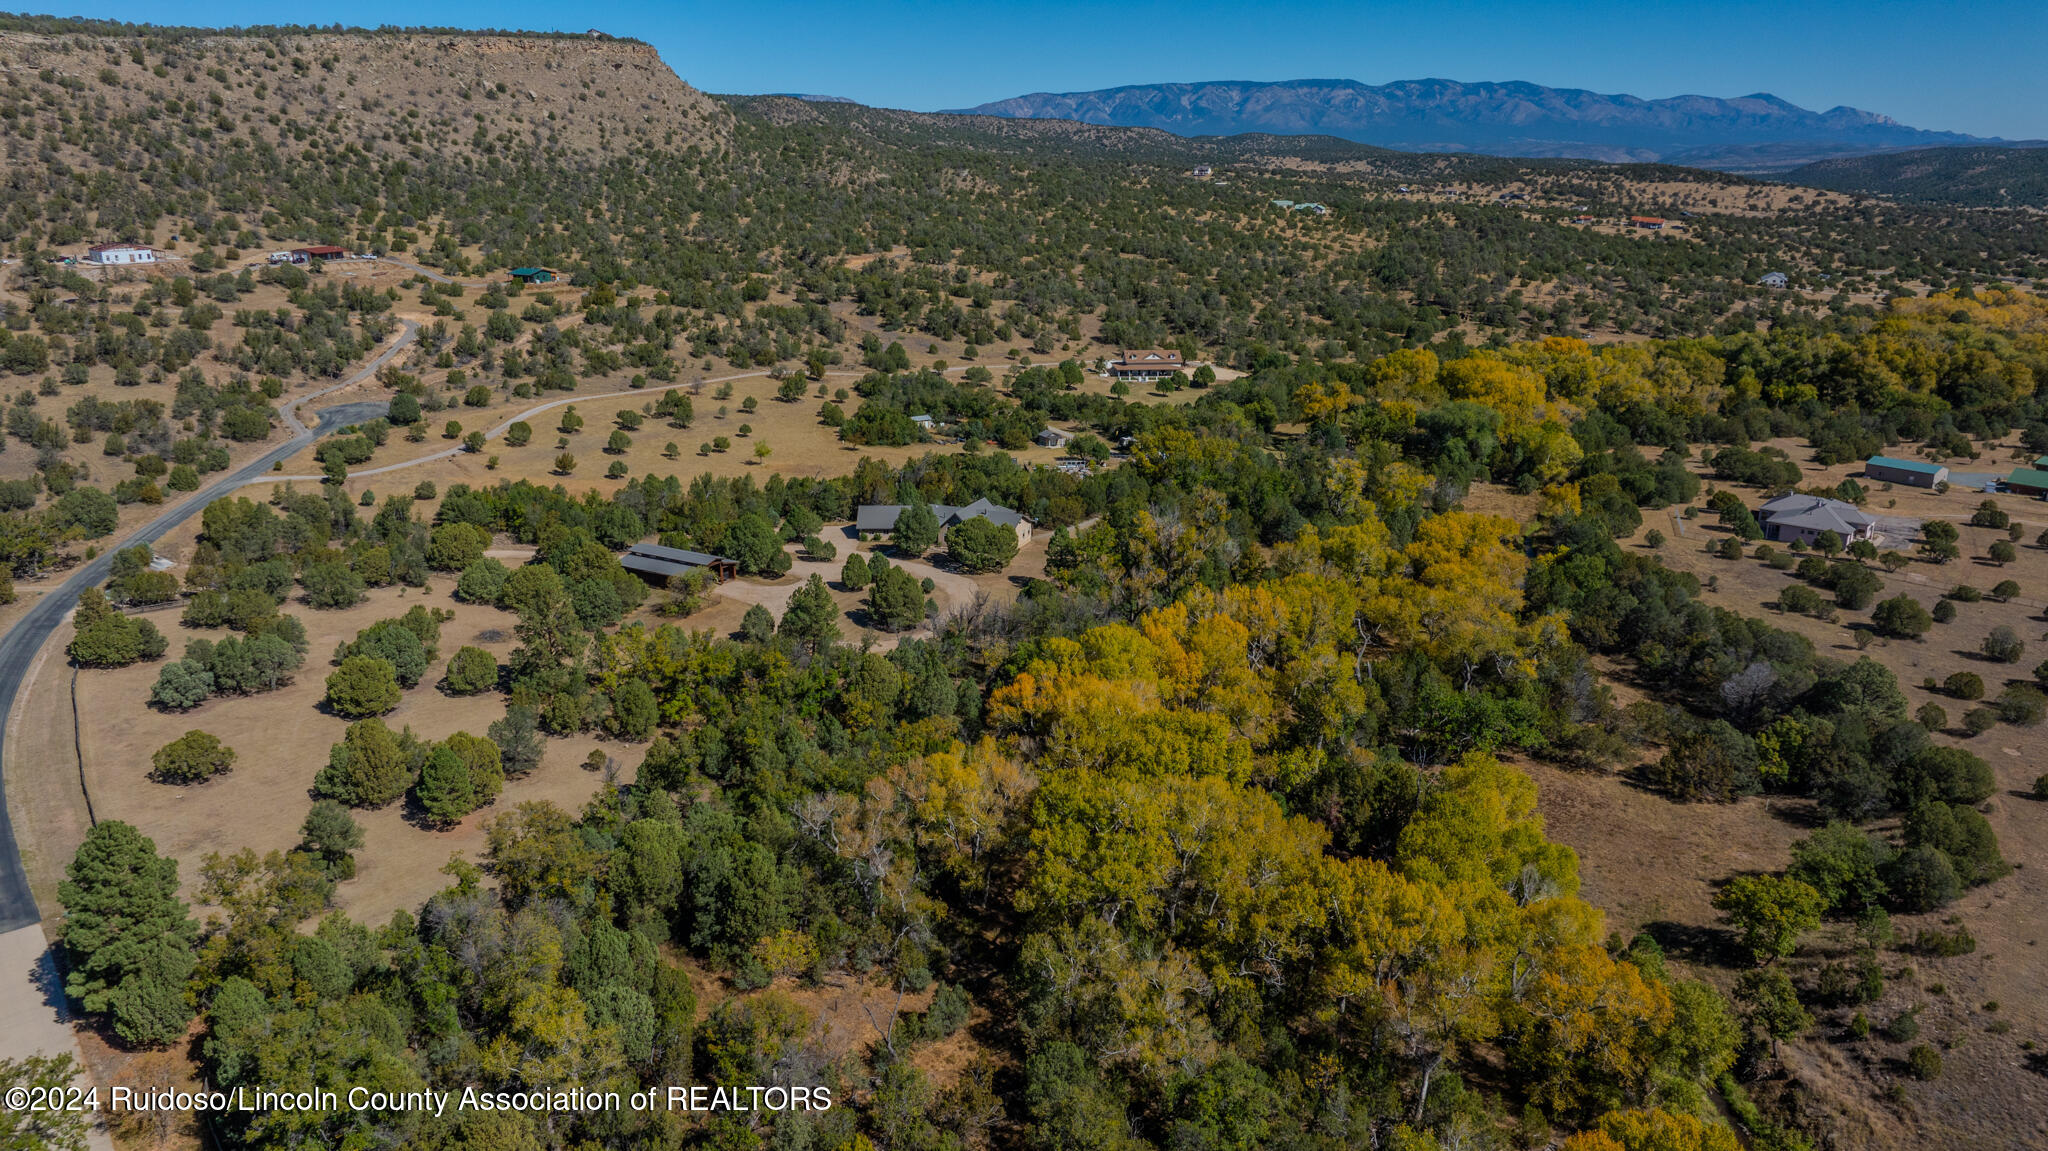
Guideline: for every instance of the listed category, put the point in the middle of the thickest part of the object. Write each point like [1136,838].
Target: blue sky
[1966,67]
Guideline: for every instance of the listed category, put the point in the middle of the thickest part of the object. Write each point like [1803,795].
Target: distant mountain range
[1759,133]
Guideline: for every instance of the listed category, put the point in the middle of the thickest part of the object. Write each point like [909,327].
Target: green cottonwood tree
[127,935]
[1770,913]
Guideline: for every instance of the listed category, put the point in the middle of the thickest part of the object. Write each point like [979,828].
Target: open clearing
[1654,865]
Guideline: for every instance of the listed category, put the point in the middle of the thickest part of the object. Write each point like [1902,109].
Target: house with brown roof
[1145,366]
[121,254]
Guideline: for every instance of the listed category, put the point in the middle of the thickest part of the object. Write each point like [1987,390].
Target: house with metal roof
[533,275]
[1805,518]
[1913,473]
[876,521]
[656,564]
[1774,280]
[2027,482]
[1053,438]
[121,254]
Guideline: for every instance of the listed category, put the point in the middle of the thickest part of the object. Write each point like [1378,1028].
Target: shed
[2027,482]
[656,564]
[1913,473]
[533,275]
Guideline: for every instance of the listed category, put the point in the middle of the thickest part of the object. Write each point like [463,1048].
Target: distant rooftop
[1905,465]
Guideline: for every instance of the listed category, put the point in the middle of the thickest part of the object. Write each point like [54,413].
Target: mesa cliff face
[391,94]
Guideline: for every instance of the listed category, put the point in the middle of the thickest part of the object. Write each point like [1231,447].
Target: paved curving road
[18,647]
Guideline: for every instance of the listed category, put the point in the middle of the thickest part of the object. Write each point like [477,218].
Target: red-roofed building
[1654,223]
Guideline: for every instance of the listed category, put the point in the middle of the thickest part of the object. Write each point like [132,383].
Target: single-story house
[656,564]
[121,254]
[1582,219]
[1913,473]
[1653,223]
[876,521]
[1802,517]
[1054,438]
[1774,280]
[2027,482]
[320,252]
[2041,462]
[1145,366]
[922,421]
[533,275]
[1202,170]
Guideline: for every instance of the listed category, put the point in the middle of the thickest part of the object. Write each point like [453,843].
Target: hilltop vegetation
[1969,177]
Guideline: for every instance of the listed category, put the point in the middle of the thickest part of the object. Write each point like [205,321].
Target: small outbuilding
[657,564]
[1912,473]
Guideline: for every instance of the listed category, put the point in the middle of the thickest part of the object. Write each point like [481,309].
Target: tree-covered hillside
[1217,837]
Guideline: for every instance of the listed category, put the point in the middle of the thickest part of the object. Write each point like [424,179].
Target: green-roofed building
[533,275]
[1914,473]
[2027,482]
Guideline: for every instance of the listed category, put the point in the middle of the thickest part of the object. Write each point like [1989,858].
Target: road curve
[18,647]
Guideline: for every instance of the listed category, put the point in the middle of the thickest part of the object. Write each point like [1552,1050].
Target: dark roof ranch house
[1913,473]
[1804,518]
[876,521]
[321,252]
[656,564]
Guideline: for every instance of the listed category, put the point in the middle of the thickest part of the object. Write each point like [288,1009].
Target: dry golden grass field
[1654,865]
